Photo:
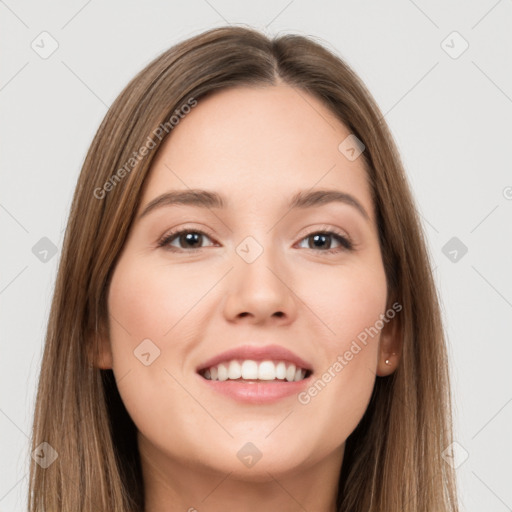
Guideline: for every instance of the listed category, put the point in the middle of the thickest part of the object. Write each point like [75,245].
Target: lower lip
[259,392]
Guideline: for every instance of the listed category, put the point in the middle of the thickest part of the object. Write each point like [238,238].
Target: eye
[190,238]
[321,239]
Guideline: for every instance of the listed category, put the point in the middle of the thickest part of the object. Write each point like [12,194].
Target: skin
[258,147]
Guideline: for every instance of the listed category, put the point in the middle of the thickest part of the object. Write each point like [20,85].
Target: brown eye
[186,239]
[323,240]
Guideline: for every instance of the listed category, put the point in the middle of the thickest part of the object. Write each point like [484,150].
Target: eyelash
[346,243]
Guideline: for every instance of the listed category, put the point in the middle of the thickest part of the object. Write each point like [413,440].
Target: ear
[99,350]
[390,348]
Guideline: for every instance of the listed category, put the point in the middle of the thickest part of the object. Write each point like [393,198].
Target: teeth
[249,370]
[235,370]
[252,370]
[280,370]
[222,372]
[266,370]
[290,373]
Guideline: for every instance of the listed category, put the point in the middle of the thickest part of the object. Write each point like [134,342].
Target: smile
[249,370]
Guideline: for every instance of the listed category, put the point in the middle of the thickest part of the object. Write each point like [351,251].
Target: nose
[260,292]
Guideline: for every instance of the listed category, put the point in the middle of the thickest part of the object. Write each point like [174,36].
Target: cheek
[350,307]
[149,303]
[150,300]
[345,301]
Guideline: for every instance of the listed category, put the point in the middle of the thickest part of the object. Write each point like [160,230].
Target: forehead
[260,142]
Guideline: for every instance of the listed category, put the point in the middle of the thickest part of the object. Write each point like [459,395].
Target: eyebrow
[209,199]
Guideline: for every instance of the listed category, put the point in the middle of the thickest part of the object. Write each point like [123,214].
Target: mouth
[255,374]
[250,370]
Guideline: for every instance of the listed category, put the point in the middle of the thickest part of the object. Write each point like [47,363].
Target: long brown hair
[393,460]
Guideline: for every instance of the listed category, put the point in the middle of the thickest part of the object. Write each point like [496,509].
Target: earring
[388,362]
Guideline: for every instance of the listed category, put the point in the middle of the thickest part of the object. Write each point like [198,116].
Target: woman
[205,350]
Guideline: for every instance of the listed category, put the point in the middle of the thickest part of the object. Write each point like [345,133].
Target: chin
[256,460]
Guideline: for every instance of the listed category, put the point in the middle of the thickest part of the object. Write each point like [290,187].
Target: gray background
[450,113]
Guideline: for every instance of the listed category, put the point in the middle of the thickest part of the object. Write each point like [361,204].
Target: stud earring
[388,362]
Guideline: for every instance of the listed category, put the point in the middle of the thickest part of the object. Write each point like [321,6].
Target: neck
[171,486]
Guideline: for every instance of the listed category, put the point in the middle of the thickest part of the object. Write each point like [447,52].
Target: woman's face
[262,283]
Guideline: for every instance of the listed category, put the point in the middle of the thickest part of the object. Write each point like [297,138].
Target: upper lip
[257,353]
